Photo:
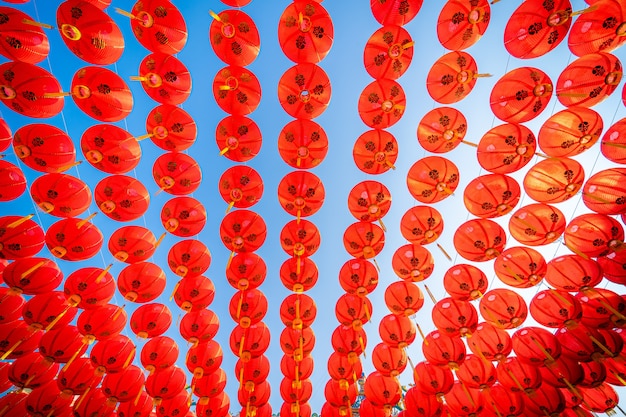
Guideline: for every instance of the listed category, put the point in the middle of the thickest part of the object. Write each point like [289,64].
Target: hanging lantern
[44,148]
[375,151]
[369,201]
[442,350]
[101,323]
[113,354]
[171,128]
[247,270]
[461,23]
[251,342]
[476,373]
[48,311]
[454,317]
[354,311]
[89,287]
[61,195]
[101,93]
[89,33]
[123,386]
[537,224]
[491,195]
[433,380]
[421,225]
[570,132]
[304,91]
[159,352]
[517,376]
[598,29]
[412,263]
[388,53]
[613,141]
[46,400]
[554,180]
[237,91]
[555,308]
[31,371]
[238,138]
[189,258]
[165,384]
[503,308]
[302,144]
[363,240]
[300,238]
[25,42]
[479,240]
[432,179]
[241,186]
[183,216]
[164,78]
[32,275]
[20,237]
[603,192]
[520,267]
[177,173]
[506,148]
[358,276]
[62,344]
[301,193]
[536,346]
[194,293]
[141,282]
[452,77]
[204,358]
[18,339]
[121,197]
[110,149]
[298,311]
[199,326]
[305,32]
[132,244]
[10,306]
[12,181]
[594,235]
[150,320]
[441,129]
[74,239]
[465,282]
[573,273]
[381,104]
[397,331]
[404,298]
[234,37]
[490,342]
[248,307]
[298,274]
[243,231]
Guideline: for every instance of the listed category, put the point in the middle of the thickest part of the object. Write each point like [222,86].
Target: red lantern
[297,342]
[432,179]
[74,239]
[490,342]
[159,26]
[298,311]
[479,240]
[534,28]
[150,320]
[520,267]
[431,379]
[44,148]
[18,339]
[389,361]
[165,383]
[113,354]
[421,225]
[251,342]
[613,267]
[602,308]
[383,391]
[61,195]
[298,274]
[248,307]
[397,331]
[77,377]
[194,293]
[573,273]
[101,322]
[349,342]
[32,275]
[31,371]
[90,33]
[570,132]
[593,235]
[454,317]
[238,138]
[295,392]
[132,244]
[30,90]
[20,237]
[304,91]
[395,12]
[171,128]
[412,262]
[441,129]
[603,192]
[256,399]
[382,104]
[598,29]
[442,350]
[452,77]
[141,282]
[299,369]
[578,344]
[554,180]
[123,386]
[301,193]
[189,258]
[506,148]
[177,173]
[141,406]
[89,287]
[164,78]
[375,151]
[199,326]
[46,400]
[305,32]
[589,80]
[183,216]
[177,405]
[300,238]
[363,240]
[47,311]
[521,95]
[216,406]
[121,197]
[101,93]
[12,181]
[462,23]
[243,231]
[537,224]
[240,186]
[25,42]
[465,282]
[247,270]
[159,352]
[14,402]
[491,195]
[203,358]
[110,148]
[546,400]
[503,308]
[404,298]
[535,346]
[340,395]
[369,201]
[613,141]
[517,376]
[342,369]
[302,144]
[237,91]
[388,53]
[10,306]
[234,37]
[501,398]
[476,373]
[62,345]
[354,311]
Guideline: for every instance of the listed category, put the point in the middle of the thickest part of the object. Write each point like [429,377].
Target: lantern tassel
[57,94]
[367,312]
[19,221]
[142,137]
[230,206]
[103,273]
[362,343]
[174,291]
[130,357]
[85,220]
[68,166]
[298,162]
[376,263]
[415,376]
[240,378]
[444,252]
[58,317]
[223,151]
[81,398]
[601,345]
[543,350]
[11,349]
[230,259]
[124,13]
[382,225]
[419,329]
[389,164]
[430,294]
[472,144]
[215,16]
[32,269]
[118,312]
[138,78]
[514,378]
[239,305]
[74,356]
